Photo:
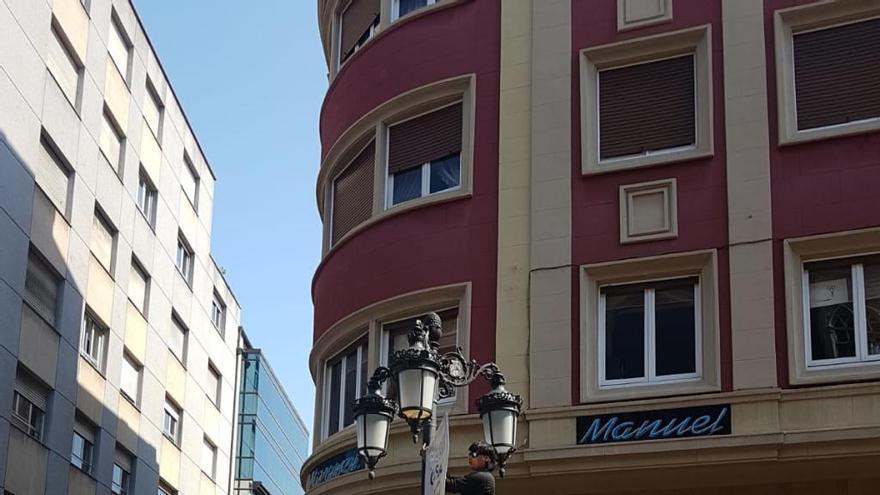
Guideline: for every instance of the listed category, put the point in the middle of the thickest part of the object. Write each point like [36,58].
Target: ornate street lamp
[421,375]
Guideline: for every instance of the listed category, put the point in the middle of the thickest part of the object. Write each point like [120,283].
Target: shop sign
[343,463]
[686,422]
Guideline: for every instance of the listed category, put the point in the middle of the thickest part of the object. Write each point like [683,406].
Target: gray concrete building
[118,332]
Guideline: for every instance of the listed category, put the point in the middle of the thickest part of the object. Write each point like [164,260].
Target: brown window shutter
[837,74]
[353,193]
[425,138]
[647,107]
[356,20]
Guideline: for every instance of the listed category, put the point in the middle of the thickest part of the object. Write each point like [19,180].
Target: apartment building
[657,216]
[271,441]
[118,332]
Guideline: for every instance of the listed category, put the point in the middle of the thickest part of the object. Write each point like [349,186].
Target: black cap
[483,448]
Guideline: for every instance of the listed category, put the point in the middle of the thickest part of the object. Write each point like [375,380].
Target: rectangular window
[171,422]
[94,341]
[357,24]
[177,339]
[189,181]
[218,312]
[103,241]
[130,380]
[29,402]
[153,110]
[647,108]
[42,288]
[649,333]
[209,457]
[842,320]
[402,7]
[184,260]
[835,74]
[345,381]
[214,384]
[54,176]
[63,65]
[138,286]
[353,193]
[81,453]
[119,481]
[119,47]
[146,198]
[424,155]
[110,142]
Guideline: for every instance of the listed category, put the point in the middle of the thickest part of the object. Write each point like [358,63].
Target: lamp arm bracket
[380,376]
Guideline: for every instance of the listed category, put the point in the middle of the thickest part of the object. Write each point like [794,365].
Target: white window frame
[24,423]
[215,395]
[116,25]
[649,330]
[147,198]
[362,347]
[104,223]
[173,412]
[426,182]
[85,458]
[123,483]
[96,336]
[218,313]
[395,9]
[650,153]
[187,260]
[138,369]
[190,168]
[862,356]
[151,95]
[177,326]
[57,65]
[109,123]
[140,271]
[207,444]
[374,28]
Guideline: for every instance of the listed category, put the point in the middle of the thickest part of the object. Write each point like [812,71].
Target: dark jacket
[475,483]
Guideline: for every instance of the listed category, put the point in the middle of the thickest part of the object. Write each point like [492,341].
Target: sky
[251,77]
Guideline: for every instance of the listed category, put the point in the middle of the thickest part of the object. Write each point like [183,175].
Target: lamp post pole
[419,375]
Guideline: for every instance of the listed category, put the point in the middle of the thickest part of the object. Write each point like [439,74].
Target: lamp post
[419,375]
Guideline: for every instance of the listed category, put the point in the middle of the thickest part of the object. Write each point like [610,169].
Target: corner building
[118,332]
[656,216]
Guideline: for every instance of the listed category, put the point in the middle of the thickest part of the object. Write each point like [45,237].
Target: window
[218,312]
[130,379]
[110,142]
[103,241]
[83,446]
[209,457]
[54,175]
[138,286]
[184,260]
[424,155]
[649,332]
[842,320]
[357,24]
[165,489]
[146,198]
[353,193]
[215,383]
[395,335]
[177,339]
[153,110]
[119,481]
[42,288]
[94,341]
[402,7]
[63,65]
[29,404]
[646,101]
[345,381]
[835,74]
[171,422]
[189,181]
[647,108]
[119,47]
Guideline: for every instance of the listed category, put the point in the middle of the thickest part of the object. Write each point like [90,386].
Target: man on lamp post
[480,481]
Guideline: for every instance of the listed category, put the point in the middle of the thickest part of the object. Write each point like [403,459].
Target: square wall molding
[632,14]
[648,211]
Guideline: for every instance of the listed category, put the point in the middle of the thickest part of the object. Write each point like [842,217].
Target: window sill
[642,161]
[150,224]
[84,472]
[789,138]
[39,441]
[186,279]
[93,364]
[72,104]
[131,401]
[172,440]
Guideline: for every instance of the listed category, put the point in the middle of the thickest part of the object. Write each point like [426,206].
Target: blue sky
[251,77]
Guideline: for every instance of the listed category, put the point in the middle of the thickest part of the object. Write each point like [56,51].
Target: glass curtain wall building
[272,440]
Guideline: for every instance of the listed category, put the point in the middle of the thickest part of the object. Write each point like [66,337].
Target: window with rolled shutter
[357,23]
[647,107]
[41,288]
[353,193]
[836,73]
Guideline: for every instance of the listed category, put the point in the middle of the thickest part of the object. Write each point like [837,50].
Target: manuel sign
[344,463]
[654,425]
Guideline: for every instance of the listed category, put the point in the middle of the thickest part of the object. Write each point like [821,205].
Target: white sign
[437,458]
